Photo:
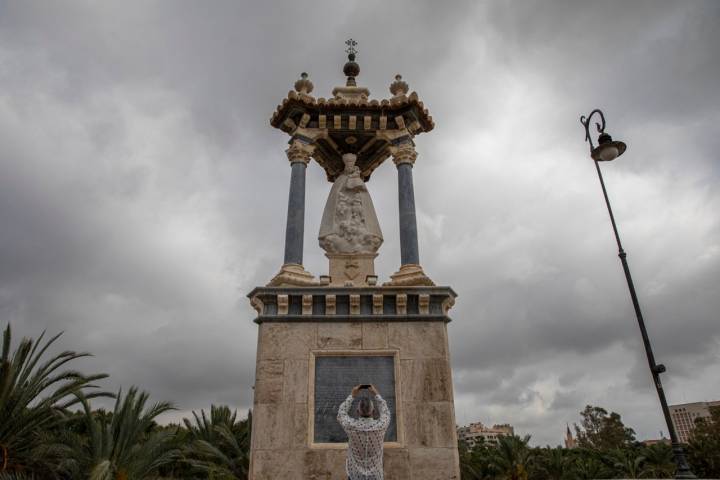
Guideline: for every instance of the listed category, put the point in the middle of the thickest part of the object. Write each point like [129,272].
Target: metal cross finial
[351,46]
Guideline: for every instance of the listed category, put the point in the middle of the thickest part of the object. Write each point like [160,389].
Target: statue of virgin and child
[349,223]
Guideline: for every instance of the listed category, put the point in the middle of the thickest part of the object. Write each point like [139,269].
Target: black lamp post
[608,150]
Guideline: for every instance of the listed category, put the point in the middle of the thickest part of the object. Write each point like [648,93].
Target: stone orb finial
[304,85]
[351,68]
[399,86]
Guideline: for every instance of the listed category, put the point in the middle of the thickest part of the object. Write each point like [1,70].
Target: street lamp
[608,150]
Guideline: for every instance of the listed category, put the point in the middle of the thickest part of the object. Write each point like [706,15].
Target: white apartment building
[684,415]
[477,433]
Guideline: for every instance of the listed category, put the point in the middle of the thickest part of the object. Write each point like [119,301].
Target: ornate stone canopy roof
[350,122]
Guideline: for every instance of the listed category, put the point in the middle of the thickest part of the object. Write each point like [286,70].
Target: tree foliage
[602,431]
[35,393]
[635,461]
[704,448]
[220,445]
[511,458]
[609,451]
[123,445]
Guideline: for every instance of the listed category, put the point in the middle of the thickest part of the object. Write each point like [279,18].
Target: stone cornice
[384,289]
[322,303]
[300,102]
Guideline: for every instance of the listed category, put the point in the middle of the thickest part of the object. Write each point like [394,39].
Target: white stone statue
[349,224]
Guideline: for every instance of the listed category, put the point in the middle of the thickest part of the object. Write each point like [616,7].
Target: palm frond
[34,393]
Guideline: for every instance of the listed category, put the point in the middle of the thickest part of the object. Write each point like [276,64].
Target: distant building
[477,433]
[655,441]
[684,416]
[569,440]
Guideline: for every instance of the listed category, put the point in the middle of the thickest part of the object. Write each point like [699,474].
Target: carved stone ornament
[330,304]
[351,93]
[349,223]
[404,153]
[257,304]
[447,305]
[401,304]
[283,302]
[351,269]
[304,85]
[377,300]
[424,304]
[399,87]
[299,152]
[307,304]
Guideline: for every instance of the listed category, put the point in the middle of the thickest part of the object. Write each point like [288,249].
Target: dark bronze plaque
[334,378]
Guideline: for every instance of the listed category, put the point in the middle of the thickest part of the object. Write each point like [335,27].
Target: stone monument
[318,337]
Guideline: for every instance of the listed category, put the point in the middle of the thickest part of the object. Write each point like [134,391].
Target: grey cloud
[143,193]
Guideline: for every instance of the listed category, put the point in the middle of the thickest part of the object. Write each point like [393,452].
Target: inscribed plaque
[335,376]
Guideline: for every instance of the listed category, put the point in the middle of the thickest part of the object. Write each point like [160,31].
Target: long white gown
[349,223]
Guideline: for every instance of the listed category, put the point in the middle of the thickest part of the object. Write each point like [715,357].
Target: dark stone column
[299,156]
[404,159]
[295,229]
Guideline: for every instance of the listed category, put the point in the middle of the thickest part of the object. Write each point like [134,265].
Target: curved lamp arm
[586,123]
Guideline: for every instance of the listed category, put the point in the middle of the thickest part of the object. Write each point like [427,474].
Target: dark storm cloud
[142,192]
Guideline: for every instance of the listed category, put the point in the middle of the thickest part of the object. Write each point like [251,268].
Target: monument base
[310,339]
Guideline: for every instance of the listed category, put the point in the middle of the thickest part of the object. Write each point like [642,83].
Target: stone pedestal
[351,269]
[296,324]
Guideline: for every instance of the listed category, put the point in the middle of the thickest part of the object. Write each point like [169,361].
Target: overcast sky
[143,192]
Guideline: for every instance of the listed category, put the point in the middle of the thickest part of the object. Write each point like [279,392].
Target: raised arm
[343,416]
[384,419]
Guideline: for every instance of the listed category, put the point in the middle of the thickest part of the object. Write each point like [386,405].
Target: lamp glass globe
[609,153]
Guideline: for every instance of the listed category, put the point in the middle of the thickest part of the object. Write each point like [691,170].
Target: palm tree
[553,463]
[204,426]
[587,466]
[511,458]
[658,461]
[34,397]
[124,444]
[221,443]
[626,462]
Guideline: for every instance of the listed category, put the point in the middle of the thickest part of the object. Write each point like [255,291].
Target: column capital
[403,153]
[299,152]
